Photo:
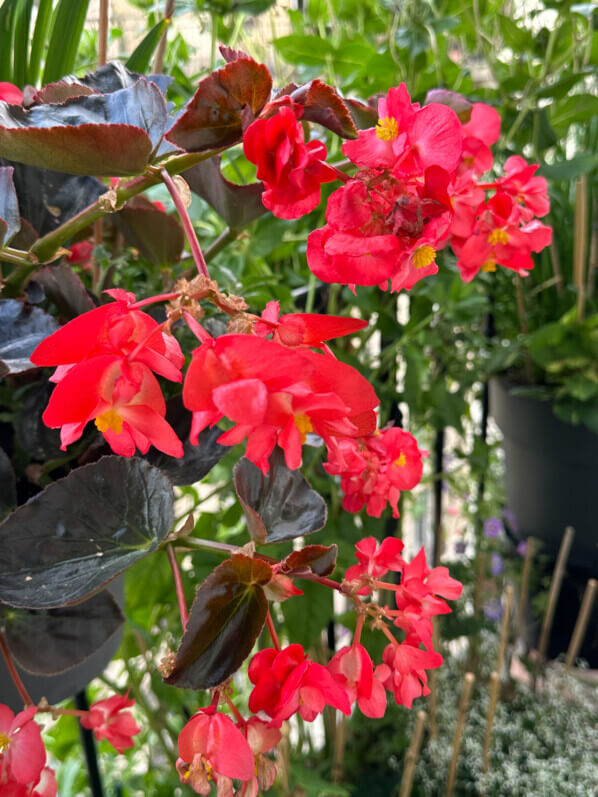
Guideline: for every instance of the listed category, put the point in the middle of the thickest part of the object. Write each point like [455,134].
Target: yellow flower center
[387,128]
[498,236]
[303,423]
[109,420]
[4,742]
[489,265]
[423,256]
[401,461]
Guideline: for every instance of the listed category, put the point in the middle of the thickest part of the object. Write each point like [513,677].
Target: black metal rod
[89,748]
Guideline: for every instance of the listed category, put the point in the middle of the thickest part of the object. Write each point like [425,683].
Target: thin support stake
[413,755]
[582,622]
[504,629]
[461,720]
[555,588]
[494,692]
[90,750]
[527,569]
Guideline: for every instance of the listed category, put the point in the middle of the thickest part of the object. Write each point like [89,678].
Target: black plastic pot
[552,483]
[551,475]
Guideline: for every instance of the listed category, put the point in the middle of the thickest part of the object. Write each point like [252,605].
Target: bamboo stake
[556,267]
[433,684]
[493,693]
[159,59]
[593,256]
[582,622]
[522,316]
[469,681]
[412,755]
[103,32]
[504,628]
[472,653]
[555,588]
[338,762]
[580,243]
[527,568]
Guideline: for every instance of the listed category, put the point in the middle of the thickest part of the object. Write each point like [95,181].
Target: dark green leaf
[21,41]
[63,287]
[10,221]
[279,506]
[38,440]
[238,205]
[8,485]
[302,48]
[81,531]
[140,58]
[102,134]
[364,116]
[567,170]
[197,461]
[43,20]
[226,101]
[318,559]
[69,19]
[226,618]
[50,642]
[7,27]
[159,236]
[575,108]
[22,328]
[307,616]
[47,199]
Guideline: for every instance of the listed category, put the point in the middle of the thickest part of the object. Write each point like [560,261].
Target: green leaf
[7,26]
[514,34]
[68,26]
[43,22]
[307,616]
[50,642]
[569,169]
[303,49]
[79,533]
[21,41]
[574,109]
[140,58]
[226,618]
[159,236]
[280,505]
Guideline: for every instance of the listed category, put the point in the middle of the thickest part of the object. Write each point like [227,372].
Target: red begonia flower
[10,93]
[352,669]
[262,738]
[406,676]
[115,328]
[22,751]
[80,254]
[304,329]
[288,681]
[407,138]
[213,750]
[124,400]
[531,193]
[479,133]
[274,395]
[109,720]
[292,171]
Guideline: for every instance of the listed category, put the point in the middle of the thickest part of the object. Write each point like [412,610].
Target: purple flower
[511,519]
[493,609]
[496,564]
[522,548]
[492,527]
[460,546]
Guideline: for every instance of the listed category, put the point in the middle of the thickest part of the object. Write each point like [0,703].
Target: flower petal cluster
[106,360]
[403,671]
[375,469]
[287,681]
[109,720]
[262,738]
[292,171]
[213,750]
[304,329]
[22,751]
[275,395]
[353,670]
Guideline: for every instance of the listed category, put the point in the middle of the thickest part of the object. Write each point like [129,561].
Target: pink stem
[21,688]
[188,227]
[161,297]
[178,583]
[142,344]
[272,630]
[358,629]
[344,178]
[237,714]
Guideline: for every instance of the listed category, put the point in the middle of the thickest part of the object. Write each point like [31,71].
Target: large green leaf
[66,35]
[41,30]
[81,531]
[21,41]
[140,58]
[226,618]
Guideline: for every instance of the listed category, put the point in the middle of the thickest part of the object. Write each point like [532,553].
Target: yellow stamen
[4,742]
[498,236]
[489,265]
[401,461]
[109,420]
[303,423]
[423,256]
[387,128]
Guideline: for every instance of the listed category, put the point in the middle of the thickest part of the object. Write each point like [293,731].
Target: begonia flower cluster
[417,188]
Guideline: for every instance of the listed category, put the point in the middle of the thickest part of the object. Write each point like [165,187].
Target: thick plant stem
[103,32]
[187,225]
[178,583]
[45,249]
[16,678]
